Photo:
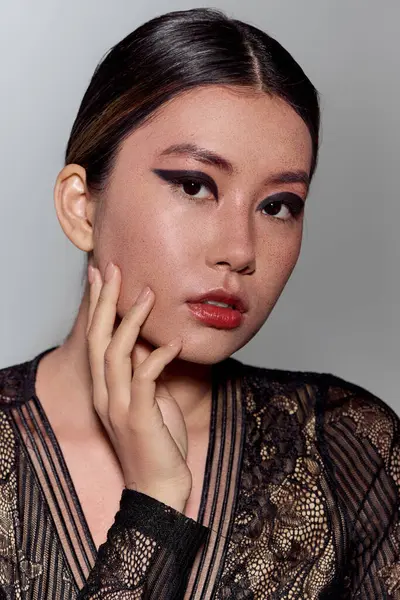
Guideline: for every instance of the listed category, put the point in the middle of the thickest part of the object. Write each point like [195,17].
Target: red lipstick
[220,317]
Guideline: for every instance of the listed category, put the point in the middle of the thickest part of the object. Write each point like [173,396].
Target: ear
[74,206]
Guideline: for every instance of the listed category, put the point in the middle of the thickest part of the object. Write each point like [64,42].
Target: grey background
[339,311]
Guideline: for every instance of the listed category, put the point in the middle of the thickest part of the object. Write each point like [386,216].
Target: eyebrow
[209,157]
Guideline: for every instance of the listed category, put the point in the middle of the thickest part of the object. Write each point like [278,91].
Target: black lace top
[300,500]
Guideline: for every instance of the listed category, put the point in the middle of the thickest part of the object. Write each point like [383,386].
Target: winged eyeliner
[295,202]
[175,175]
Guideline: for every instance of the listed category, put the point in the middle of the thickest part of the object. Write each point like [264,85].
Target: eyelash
[294,208]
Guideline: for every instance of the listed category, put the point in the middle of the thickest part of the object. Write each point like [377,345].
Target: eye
[284,206]
[192,188]
[190,183]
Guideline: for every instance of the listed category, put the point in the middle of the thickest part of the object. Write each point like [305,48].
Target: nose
[233,246]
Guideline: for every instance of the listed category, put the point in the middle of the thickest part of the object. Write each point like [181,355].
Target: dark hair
[171,53]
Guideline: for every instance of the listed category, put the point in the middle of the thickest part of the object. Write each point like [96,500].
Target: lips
[219,295]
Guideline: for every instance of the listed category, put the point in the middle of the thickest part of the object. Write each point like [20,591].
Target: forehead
[253,130]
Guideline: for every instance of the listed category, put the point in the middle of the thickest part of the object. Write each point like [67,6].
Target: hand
[143,421]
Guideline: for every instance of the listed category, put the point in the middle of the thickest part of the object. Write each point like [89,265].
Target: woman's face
[238,229]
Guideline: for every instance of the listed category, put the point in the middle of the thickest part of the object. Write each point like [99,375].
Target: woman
[138,459]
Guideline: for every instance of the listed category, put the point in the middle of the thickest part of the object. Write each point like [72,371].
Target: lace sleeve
[363,436]
[148,554]
[376,555]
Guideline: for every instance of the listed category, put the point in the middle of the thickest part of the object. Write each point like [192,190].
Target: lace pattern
[282,529]
[16,570]
[316,518]
[376,529]
[145,535]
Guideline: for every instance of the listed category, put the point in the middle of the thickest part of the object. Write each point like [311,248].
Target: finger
[143,385]
[94,292]
[140,352]
[118,356]
[105,309]
[99,336]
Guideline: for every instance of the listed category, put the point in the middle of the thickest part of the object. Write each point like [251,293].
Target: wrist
[174,500]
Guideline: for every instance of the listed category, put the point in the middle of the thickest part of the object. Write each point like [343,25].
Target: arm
[151,545]
[148,554]
[377,564]
[362,434]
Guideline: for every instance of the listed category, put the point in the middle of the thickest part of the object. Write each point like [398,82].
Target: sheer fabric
[300,500]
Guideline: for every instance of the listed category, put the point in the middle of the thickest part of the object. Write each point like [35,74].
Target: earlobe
[74,207]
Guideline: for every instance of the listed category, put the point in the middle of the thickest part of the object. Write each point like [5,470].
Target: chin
[203,357]
[205,350]
[200,344]
[205,353]
[209,352]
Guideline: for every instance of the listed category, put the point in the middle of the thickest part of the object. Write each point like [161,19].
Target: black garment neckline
[219,373]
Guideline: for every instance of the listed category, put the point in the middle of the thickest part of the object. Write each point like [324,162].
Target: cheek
[285,253]
[277,260]
[155,241]
[152,245]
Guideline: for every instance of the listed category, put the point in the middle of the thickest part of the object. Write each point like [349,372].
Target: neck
[189,383]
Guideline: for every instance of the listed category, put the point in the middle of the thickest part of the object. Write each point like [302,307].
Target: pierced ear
[74,207]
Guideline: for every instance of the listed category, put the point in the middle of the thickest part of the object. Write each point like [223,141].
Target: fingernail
[110,270]
[90,274]
[143,295]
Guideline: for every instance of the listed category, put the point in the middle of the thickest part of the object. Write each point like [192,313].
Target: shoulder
[328,393]
[345,441]
[346,416]
[365,408]
[265,387]
[269,381]
[12,393]
[356,421]
[14,381]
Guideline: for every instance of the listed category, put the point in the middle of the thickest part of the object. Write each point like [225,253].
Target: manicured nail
[110,270]
[144,294]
